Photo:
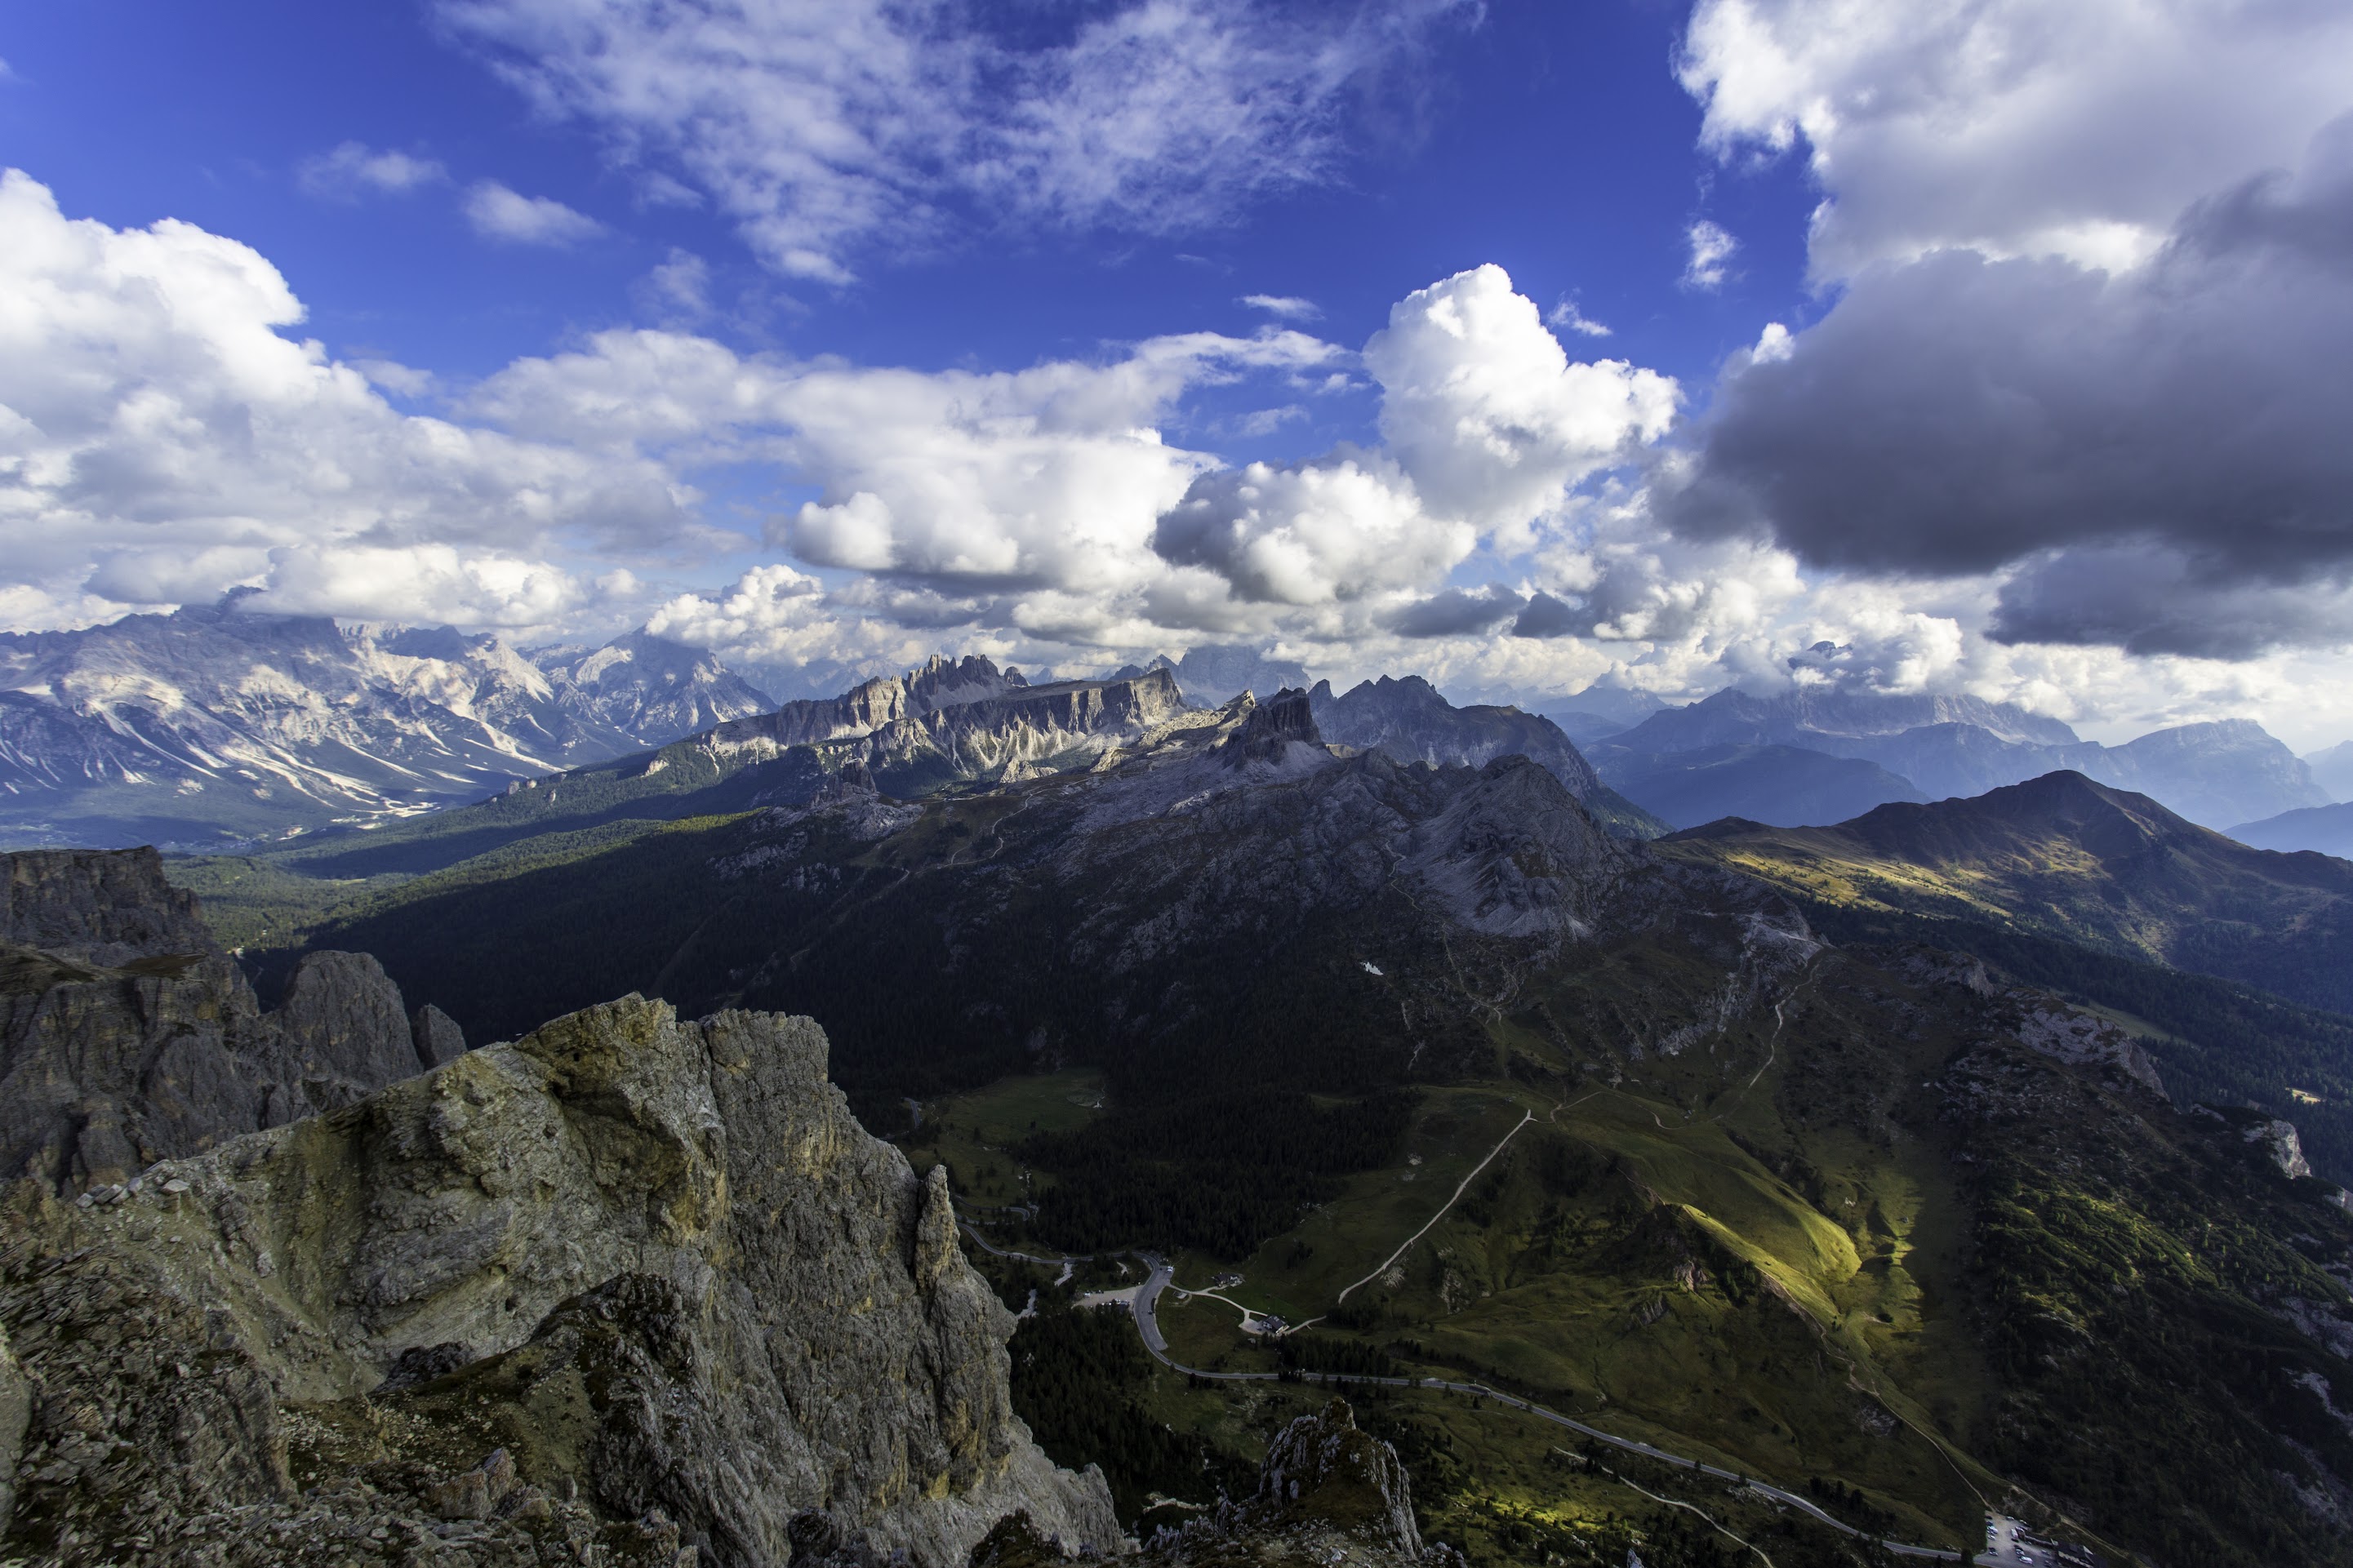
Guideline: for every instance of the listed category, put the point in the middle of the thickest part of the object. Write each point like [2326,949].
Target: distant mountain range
[2332,769]
[2069,857]
[2325,828]
[212,724]
[1771,784]
[1926,747]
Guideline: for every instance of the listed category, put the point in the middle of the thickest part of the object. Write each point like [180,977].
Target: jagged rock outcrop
[1329,1493]
[1408,721]
[1018,728]
[100,909]
[940,684]
[344,1014]
[1272,728]
[627,1287]
[948,722]
[127,1036]
[2280,1140]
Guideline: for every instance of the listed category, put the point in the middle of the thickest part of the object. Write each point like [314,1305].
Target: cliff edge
[629,1290]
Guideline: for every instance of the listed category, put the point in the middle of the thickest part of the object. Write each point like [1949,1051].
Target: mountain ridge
[2066,855]
[2216,772]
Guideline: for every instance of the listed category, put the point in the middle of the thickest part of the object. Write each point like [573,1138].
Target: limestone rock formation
[939,685]
[1271,730]
[127,1036]
[629,1290]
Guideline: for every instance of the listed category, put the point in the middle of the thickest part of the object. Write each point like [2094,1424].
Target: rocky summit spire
[1272,729]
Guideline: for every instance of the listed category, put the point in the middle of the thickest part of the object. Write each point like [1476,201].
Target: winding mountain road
[1147,1325]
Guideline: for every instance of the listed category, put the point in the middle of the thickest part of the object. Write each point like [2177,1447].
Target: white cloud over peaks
[426,584]
[823,125]
[2074,128]
[354,169]
[511,219]
[952,482]
[1049,477]
[158,434]
[1340,528]
[1489,416]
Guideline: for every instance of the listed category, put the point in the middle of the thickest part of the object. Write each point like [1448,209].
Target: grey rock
[699,1301]
[437,1038]
[15,1415]
[967,721]
[105,908]
[1273,728]
[2281,1142]
[1410,721]
[135,1039]
[343,1014]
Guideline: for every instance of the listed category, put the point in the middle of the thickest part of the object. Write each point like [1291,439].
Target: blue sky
[612,307]
[1562,150]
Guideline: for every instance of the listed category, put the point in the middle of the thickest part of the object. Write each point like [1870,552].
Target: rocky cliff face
[628,1287]
[938,685]
[127,1036]
[1411,722]
[951,723]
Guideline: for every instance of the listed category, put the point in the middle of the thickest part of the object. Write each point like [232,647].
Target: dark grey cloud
[1547,617]
[1456,612]
[2153,452]
[2153,601]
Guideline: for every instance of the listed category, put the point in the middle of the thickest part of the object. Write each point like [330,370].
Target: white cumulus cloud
[500,214]
[161,435]
[1340,528]
[1489,416]
[2071,127]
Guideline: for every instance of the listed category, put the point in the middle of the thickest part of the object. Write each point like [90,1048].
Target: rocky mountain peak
[942,682]
[1272,728]
[1515,853]
[1408,720]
